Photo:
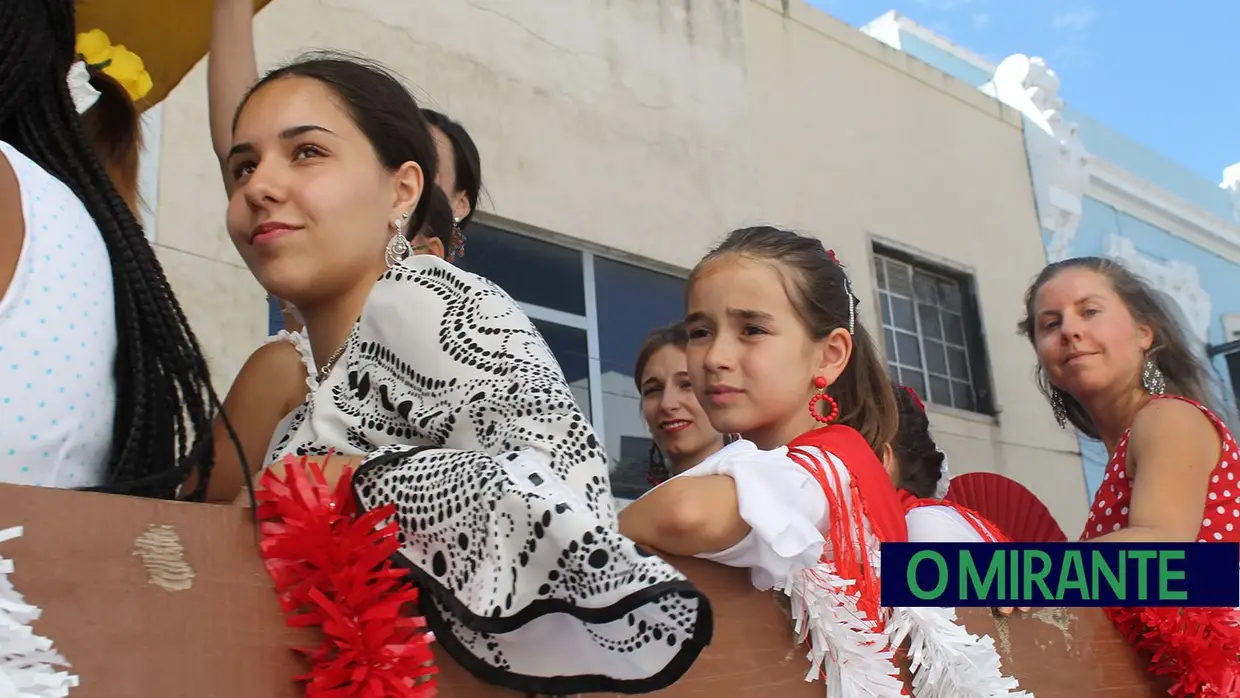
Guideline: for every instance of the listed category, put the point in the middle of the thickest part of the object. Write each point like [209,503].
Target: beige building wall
[645,130]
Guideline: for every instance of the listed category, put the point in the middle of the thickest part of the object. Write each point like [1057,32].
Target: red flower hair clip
[913,394]
[836,260]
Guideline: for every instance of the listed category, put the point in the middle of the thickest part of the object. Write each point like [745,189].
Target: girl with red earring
[803,500]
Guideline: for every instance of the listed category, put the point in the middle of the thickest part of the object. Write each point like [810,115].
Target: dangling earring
[1152,379]
[821,384]
[398,248]
[456,243]
[1059,409]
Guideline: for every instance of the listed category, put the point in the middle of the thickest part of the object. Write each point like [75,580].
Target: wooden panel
[225,636]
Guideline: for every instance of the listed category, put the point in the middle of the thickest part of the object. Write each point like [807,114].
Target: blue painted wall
[1219,277]
[1108,144]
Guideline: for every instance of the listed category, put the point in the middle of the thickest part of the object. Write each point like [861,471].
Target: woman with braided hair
[106,387]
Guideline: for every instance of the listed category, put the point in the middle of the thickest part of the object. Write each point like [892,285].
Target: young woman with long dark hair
[435,386]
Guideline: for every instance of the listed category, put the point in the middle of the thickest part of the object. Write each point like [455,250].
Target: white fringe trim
[26,659]
[302,344]
[857,661]
[948,661]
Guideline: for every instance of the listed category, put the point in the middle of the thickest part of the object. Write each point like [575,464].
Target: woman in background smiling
[678,426]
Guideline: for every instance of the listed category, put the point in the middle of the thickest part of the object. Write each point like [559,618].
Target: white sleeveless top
[57,341]
[302,344]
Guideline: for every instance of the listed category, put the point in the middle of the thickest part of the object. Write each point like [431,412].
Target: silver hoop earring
[1059,409]
[398,247]
[1152,379]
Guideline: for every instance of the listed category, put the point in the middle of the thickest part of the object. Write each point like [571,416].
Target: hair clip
[834,259]
[83,93]
[119,63]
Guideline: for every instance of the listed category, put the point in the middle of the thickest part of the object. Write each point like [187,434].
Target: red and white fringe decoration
[27,660]
[855,660]
[332,570]
[946,660]
[1198,647]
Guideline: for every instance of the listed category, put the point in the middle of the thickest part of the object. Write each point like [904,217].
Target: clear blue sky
[1162,72]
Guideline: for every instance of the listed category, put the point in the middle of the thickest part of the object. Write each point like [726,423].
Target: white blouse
[57,341]
[940,524]
[783,504]
[787,512]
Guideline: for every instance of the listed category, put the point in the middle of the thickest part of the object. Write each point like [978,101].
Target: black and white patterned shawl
[501,489]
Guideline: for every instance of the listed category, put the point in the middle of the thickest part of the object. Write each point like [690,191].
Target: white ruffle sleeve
[941,524]
[788,548]
[784,506]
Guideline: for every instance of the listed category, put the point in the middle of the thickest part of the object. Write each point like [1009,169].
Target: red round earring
[821,384]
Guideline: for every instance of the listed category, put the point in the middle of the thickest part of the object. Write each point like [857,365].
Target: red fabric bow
[834,259]
[332,570]
[916,398]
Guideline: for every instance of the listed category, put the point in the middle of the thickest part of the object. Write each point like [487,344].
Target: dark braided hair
[164,399]
[919,460]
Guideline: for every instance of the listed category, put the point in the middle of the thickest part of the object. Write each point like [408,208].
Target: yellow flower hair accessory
[117,62]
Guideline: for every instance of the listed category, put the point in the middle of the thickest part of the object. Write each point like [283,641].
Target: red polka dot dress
[1198,647]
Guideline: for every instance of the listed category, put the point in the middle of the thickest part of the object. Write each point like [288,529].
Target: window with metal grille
[932,332]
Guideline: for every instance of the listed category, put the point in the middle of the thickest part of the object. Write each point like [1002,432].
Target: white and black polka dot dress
[57,341]
[501,489]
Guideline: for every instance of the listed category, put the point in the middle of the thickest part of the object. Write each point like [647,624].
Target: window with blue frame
[631,301]
[594,314]
[531,271]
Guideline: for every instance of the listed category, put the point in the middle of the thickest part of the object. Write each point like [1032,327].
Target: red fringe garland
[852,556]
[332,570]
[1198,647]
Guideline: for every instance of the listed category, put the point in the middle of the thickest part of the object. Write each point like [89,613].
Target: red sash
[872,497]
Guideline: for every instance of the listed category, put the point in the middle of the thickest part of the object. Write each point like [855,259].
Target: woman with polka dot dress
[1116,367]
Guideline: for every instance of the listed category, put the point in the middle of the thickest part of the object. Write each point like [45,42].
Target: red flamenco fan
[1006,503]
[332,571]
